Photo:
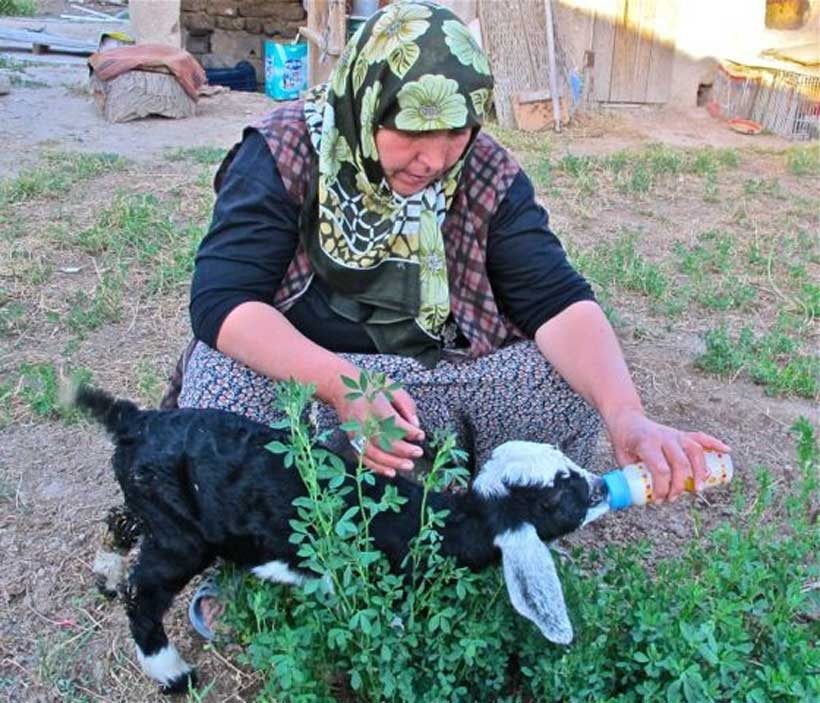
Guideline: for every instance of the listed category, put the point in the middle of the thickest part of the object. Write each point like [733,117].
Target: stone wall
[220,33]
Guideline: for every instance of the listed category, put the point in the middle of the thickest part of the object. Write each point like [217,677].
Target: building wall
[703,31]
[220,33]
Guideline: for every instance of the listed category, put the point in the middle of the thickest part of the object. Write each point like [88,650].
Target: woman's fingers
[679,469]
[387,463]
[708,442]
[405,406]
[661,472]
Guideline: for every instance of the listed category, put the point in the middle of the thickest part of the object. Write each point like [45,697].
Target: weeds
[620,265]
[358,626]
[140,228]
[722,622]
[205,155]
[18,8]
[771,360]
[39,390]
[59,172]
[709,266]
[803,160]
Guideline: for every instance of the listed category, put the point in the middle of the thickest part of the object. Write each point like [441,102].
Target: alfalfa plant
[358,629]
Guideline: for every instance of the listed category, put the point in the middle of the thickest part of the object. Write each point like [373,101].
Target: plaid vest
[487,175]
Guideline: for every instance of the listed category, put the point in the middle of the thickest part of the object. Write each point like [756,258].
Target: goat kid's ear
[533,584]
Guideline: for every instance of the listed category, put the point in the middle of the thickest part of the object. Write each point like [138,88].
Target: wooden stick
[556,105]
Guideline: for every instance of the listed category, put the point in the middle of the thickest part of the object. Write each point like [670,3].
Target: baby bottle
[632,484]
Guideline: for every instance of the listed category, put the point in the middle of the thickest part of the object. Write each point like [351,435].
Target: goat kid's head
[538,494]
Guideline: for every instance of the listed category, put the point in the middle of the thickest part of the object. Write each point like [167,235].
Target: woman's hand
[670,455]
[402,408]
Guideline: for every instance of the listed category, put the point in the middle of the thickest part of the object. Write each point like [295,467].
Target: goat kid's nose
[597,491]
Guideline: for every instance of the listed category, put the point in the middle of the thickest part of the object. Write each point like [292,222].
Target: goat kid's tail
[112,413]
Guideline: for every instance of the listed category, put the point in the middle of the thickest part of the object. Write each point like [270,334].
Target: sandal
[207,589]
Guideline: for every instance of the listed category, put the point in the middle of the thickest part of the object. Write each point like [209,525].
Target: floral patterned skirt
[511,394]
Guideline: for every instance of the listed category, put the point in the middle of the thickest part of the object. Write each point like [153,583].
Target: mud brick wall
[220,33]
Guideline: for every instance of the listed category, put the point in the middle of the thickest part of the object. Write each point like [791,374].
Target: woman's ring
[357,442]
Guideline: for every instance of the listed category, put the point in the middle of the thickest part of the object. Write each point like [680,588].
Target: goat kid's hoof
[181,684]
[109,570]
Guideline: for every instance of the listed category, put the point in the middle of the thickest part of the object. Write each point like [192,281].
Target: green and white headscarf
[412,66]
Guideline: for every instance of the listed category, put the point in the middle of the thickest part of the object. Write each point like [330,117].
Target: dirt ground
[58,639]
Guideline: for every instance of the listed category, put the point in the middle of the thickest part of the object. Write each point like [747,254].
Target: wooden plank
[327,34]
[515,39]
[662,60]
[631,52]
[603,42]
[55,41]
[643,52]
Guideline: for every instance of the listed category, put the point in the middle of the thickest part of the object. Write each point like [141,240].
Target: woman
[375,227]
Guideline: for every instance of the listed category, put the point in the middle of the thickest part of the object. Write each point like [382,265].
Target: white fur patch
[166,666]
[532,582]
[278,572]
[523,464]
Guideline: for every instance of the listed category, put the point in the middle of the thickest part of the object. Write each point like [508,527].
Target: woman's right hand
[401,453]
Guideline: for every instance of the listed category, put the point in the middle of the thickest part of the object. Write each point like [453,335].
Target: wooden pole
[556,99]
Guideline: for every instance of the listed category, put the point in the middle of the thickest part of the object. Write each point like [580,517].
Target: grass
[669,237]
[59,172]
[39,389]
[22,82]
[89,311]
[13,318]
[619,266]
[205,155]
[150,380]
[771,360]
[709,266]
[642,171]
[143,230]
[60,653]
[18,8]
[804,160]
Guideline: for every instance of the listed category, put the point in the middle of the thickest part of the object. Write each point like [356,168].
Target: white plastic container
[632,484]
[364,8]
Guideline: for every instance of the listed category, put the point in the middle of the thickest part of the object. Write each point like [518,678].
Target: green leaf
[277,447]
[350,383]
[345,530]
[403,58]
[359,72]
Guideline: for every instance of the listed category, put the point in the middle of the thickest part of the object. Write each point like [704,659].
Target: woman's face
[413,160]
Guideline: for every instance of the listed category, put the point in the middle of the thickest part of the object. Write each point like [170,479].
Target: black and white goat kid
[202,486]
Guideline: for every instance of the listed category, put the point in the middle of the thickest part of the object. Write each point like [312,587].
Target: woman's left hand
[671,455]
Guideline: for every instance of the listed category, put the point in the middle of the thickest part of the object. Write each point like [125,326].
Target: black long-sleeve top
[254,234]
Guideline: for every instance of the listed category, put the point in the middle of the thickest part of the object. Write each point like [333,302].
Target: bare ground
[59,640]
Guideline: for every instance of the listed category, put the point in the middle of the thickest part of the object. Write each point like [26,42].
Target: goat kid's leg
[109,566]
[156,578]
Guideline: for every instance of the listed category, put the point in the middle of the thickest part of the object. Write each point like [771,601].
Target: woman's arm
[239,266]
[260,337]
[580,343]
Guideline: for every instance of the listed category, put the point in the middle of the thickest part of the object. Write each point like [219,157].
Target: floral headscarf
[412,66]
